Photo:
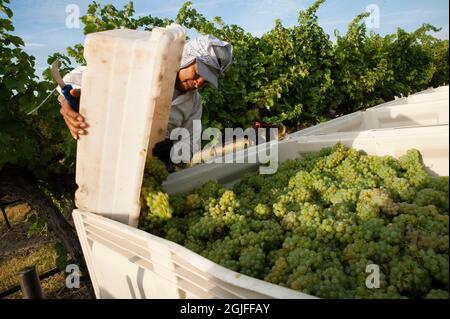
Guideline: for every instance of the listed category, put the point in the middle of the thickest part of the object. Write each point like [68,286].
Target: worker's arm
[74,121]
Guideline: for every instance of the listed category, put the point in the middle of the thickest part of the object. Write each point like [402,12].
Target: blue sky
[41,23]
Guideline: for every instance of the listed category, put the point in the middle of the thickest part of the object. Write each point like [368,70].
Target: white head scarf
[216,54]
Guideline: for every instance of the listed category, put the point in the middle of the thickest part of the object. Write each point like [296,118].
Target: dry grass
[15,214]
[42,257]
[17,251]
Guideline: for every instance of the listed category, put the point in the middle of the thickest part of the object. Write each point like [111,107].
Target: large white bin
[429,107]
[432,94]
[127,93]
[125,262]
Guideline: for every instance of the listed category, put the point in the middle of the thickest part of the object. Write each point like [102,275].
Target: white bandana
[202,48]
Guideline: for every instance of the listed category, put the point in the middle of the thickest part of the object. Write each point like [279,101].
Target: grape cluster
[318,223]
[156,207]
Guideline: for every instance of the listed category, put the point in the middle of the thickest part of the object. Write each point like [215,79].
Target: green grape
[252,261]
[262,211]
[439,183]
[178,204]
[156,169]
[279,272]
[193,201]
[415,172]
[317,224]
[429,196]
[437,265]
[391,292]
[156,204]
[206,228]
[344,195]
[408,275]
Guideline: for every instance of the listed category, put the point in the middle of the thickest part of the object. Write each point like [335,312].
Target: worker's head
[204,60]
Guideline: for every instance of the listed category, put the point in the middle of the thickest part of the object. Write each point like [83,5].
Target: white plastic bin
[428,109]
[125,262]
[429,95]
[440,89]
[127,93]
[407,115]
[400,115]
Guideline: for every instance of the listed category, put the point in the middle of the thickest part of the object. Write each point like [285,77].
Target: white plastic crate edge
[238,284]
[443,88]
[408,115]
[351,122]
[131,119]
[436,94]
[393,116]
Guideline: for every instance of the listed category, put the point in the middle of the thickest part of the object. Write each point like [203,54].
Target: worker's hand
[74,121]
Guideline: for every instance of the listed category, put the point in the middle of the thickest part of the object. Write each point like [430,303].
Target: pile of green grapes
[318,225]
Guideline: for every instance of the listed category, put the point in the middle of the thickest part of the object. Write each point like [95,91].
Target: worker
[204,60]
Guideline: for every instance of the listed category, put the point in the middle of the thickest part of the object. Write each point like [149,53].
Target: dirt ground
[19,250]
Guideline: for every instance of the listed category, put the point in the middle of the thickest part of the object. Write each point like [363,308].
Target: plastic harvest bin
[432,109]
[125,262]
[432,94]
[127,93]
[419,109]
